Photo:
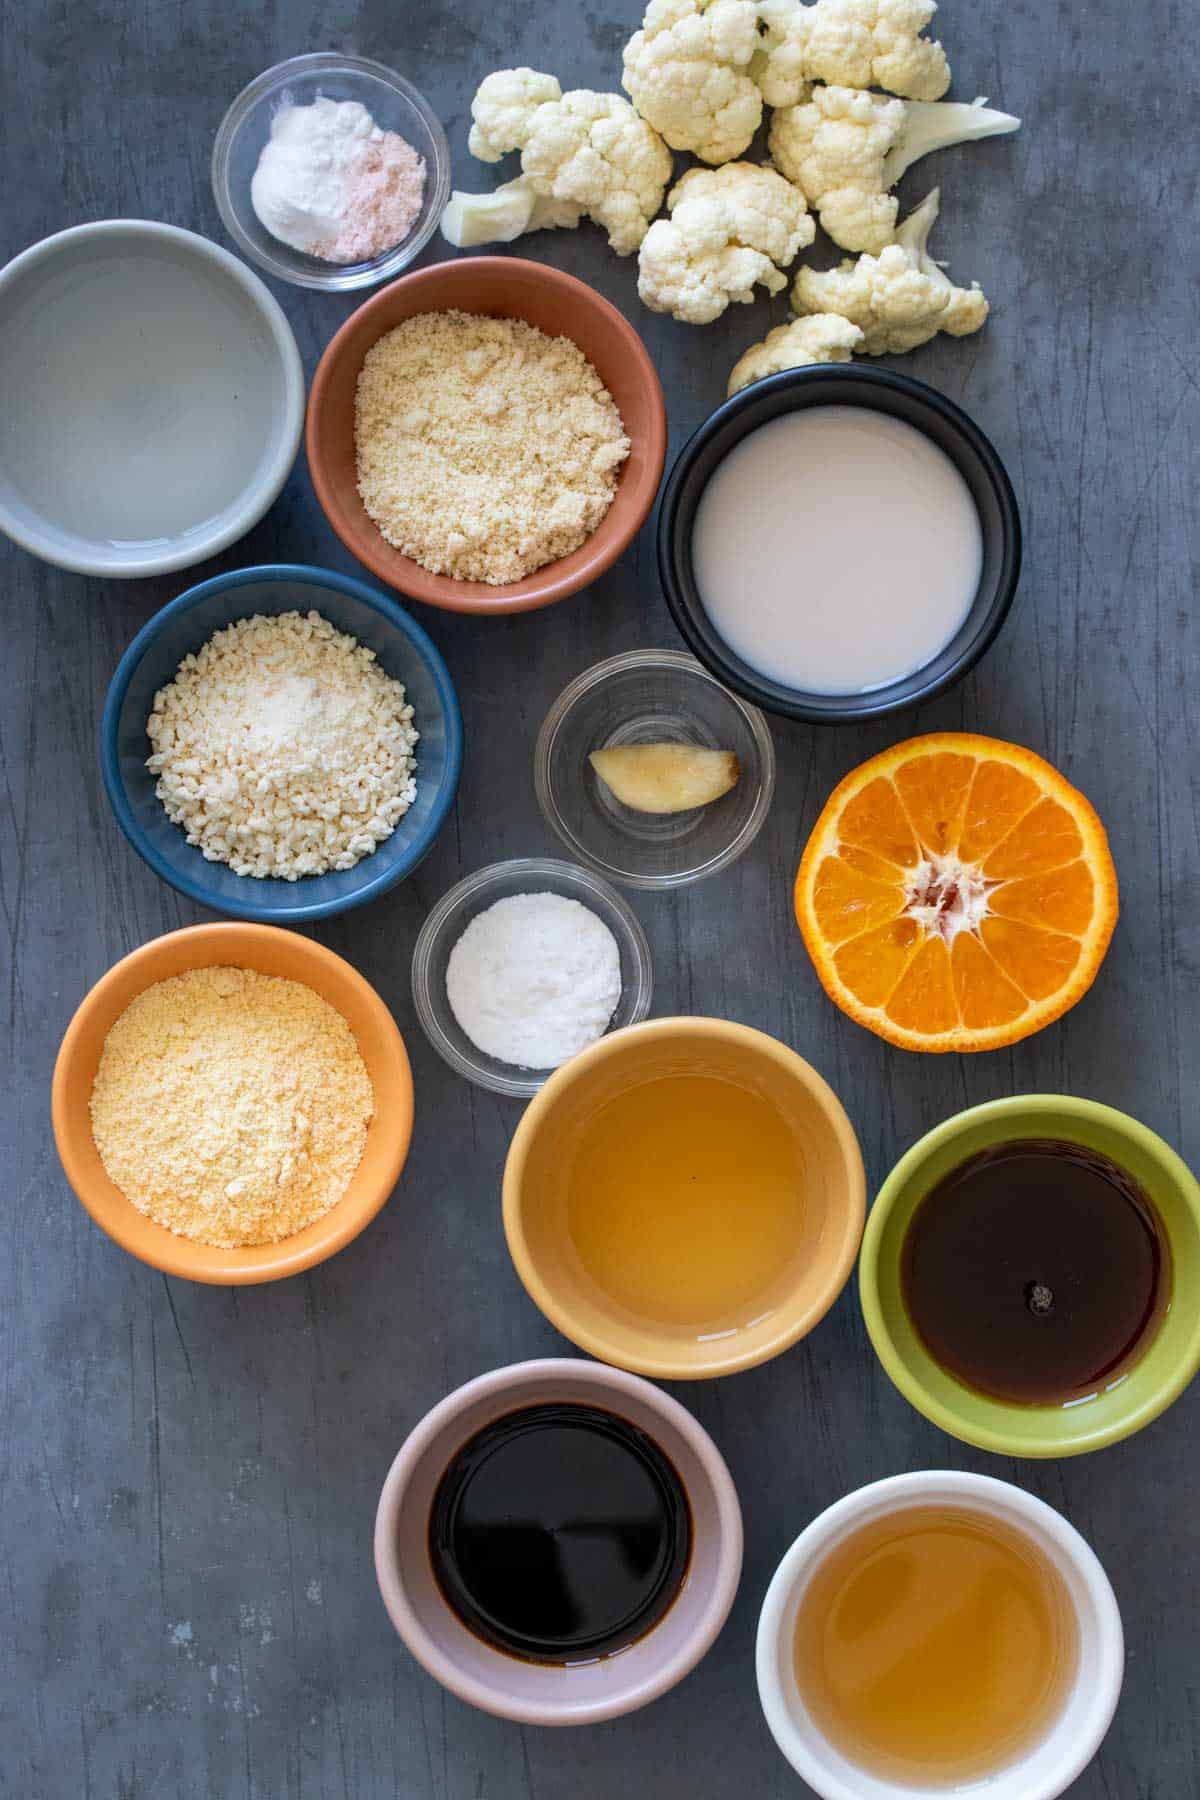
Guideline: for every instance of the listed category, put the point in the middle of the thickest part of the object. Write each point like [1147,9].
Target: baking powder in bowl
[533,979]
[332,183]
[837,549]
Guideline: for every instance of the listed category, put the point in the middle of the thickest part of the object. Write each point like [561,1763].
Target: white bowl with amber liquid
[869,1727]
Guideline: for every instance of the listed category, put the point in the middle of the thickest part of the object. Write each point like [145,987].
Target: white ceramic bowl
[1050,1766]
[153,398]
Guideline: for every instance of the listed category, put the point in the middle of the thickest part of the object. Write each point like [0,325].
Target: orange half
[956,893]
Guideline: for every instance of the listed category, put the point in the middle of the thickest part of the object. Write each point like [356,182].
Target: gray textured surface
[189,1474]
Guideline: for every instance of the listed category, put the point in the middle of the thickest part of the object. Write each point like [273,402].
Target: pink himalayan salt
[384,191]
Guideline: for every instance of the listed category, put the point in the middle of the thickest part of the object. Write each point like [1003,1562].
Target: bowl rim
[607,1381]
[305,574]
[989,1493]
[848,1222]
[276,1262]
[681,662]
[267,487]
[342,277]
[520,1087]
[703,639]
[541,588]
[1018,1107]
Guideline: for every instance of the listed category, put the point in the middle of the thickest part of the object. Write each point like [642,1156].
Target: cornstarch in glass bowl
[533,979]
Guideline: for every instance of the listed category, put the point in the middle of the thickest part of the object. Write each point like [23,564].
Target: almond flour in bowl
[485,449]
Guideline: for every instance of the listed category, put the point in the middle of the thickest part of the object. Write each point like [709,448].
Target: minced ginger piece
[231,1107]
[485,448]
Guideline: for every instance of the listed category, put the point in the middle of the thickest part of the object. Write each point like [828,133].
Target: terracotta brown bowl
[271,952]
[500,287]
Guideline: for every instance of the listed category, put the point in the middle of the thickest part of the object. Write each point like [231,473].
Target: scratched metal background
[187,1604]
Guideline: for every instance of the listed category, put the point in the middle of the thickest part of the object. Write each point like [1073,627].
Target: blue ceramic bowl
[184,626]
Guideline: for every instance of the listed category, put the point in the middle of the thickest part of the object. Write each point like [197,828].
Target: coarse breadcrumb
[232,1107]
[282,748]
[485,448]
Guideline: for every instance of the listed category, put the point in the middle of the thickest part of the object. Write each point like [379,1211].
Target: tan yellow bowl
[536,1187]
[270,951]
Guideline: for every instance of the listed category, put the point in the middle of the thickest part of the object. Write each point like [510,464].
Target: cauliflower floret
[833,147]
[780,65]
[819,338]
[875,43]
[846,149]
[730,229]
[687,73]
[582,153]
[767,212]
[503,110]
[898,299]
[593,151]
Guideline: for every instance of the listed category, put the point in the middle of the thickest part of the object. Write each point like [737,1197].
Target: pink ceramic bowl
[533,1693]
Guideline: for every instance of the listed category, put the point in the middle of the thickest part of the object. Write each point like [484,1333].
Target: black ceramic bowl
[880,391]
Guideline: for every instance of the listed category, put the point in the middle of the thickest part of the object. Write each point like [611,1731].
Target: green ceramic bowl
[1146,1389]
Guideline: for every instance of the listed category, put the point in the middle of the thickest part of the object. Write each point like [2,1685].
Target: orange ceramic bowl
[537,1189]
[271,952]
[501,287]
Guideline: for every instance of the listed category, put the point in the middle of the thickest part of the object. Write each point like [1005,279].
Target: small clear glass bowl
[651,697]
[393,103]
[450,918]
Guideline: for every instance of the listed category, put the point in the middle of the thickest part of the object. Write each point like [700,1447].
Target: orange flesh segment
[934,791]
[1046,838]
[875,820]
[872,866]
[985,994]
[871,965]
[1000,797]
[847,903]
[1064,900]
[924,996]
[1039,962]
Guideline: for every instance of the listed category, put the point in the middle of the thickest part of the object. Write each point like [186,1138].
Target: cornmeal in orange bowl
[956,893]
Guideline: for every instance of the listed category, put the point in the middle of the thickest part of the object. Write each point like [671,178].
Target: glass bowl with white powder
[394,106]
[523,976]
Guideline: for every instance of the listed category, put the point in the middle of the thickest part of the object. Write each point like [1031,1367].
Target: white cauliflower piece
[898,299]
[730,229]
[847,149]
[687,73]
[833,147]
[593,151]
[875,43]
[506,213]
[503,110]
[819,338]
[780,65]
[582,153]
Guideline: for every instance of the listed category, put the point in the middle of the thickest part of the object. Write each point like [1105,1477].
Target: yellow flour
[232,1107]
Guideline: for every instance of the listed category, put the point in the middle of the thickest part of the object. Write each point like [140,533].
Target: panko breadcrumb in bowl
[556,305]
[221,614]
